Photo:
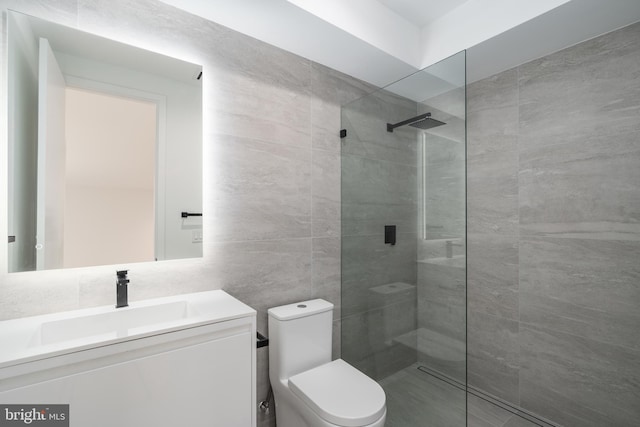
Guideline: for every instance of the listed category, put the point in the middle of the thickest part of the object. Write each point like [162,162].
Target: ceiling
[382,41]
[421,12]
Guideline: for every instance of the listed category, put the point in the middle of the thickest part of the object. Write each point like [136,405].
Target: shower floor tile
[486,414]
[417,399]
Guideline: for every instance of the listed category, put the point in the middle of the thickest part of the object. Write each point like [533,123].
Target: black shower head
[427,123]
[423,121]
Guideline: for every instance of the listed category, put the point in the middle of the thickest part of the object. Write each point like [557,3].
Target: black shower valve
[390,234]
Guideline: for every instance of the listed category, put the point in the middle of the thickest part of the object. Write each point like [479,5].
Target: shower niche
[404,305]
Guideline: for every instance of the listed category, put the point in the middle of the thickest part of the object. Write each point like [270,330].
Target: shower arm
[391,127]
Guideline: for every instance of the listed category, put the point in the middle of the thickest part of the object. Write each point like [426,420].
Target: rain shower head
[423,121]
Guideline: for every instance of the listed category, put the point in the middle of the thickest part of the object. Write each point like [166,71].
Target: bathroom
[552,203]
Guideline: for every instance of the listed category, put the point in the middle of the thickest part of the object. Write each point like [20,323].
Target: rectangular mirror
[105,150]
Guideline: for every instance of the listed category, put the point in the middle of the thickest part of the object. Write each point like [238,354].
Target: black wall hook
[188,214]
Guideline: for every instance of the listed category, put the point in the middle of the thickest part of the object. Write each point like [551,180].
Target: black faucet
[121,289]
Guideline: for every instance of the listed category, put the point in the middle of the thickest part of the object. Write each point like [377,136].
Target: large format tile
[255,168]
[331,90]
[442,299]
[516,421]
[481,413]
[336,338]
[245,219]
[589,89]
[379,108]
[325,265]
[276,112]
[151,25]
[493,355]
[492,275]
[442,196]
[400,147]
[439,150]
[369,218]
[250,60]
[369,337]
[325,193]
[147,280]
[355,337]
[366,180]
[377,193]
[366,123]
[492,155]
[262,274]
[451,102]
[582,188]
[565,232]
[261,190]
[578,382]
[492,193]
[453,131]
[583,287]
[337,87]
[363,348]
[494,93]
[367,263]
[418,399]
[35,293]
[492,115]
[326,124]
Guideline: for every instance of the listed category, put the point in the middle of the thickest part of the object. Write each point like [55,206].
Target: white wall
[371,21]
[110,179]
[179,157]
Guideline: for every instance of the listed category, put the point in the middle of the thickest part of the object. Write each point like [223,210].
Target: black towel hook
[188,214]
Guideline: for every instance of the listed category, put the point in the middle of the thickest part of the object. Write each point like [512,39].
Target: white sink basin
[116,322]
[39,337]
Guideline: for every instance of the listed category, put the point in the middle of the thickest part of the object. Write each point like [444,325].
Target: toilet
[309,389]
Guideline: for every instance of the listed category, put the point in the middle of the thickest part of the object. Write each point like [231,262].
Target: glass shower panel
[403,243]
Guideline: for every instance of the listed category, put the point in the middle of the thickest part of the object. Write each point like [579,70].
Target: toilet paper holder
[262,341]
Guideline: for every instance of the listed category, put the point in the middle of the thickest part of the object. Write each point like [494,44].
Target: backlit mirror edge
[4,148]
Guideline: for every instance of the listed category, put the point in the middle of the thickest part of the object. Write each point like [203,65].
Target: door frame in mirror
[185,73]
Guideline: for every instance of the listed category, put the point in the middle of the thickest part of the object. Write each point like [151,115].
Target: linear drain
[515,410]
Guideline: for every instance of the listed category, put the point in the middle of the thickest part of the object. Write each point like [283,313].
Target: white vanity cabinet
[200,374]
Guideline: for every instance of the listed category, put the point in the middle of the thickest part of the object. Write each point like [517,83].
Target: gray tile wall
[441,280]
[271,171]
[379,177]
[554,233]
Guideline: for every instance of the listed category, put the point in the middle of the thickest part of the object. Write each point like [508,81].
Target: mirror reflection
[105,149]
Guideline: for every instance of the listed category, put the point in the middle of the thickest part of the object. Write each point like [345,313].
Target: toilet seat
[340,394]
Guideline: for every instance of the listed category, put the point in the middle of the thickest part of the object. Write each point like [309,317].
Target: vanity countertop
[39,337]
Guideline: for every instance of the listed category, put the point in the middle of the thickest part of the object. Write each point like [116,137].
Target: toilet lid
[340,394]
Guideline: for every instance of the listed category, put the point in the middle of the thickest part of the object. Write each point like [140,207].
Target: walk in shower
[403,307]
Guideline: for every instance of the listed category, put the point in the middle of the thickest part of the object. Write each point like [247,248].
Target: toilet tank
[299,337]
